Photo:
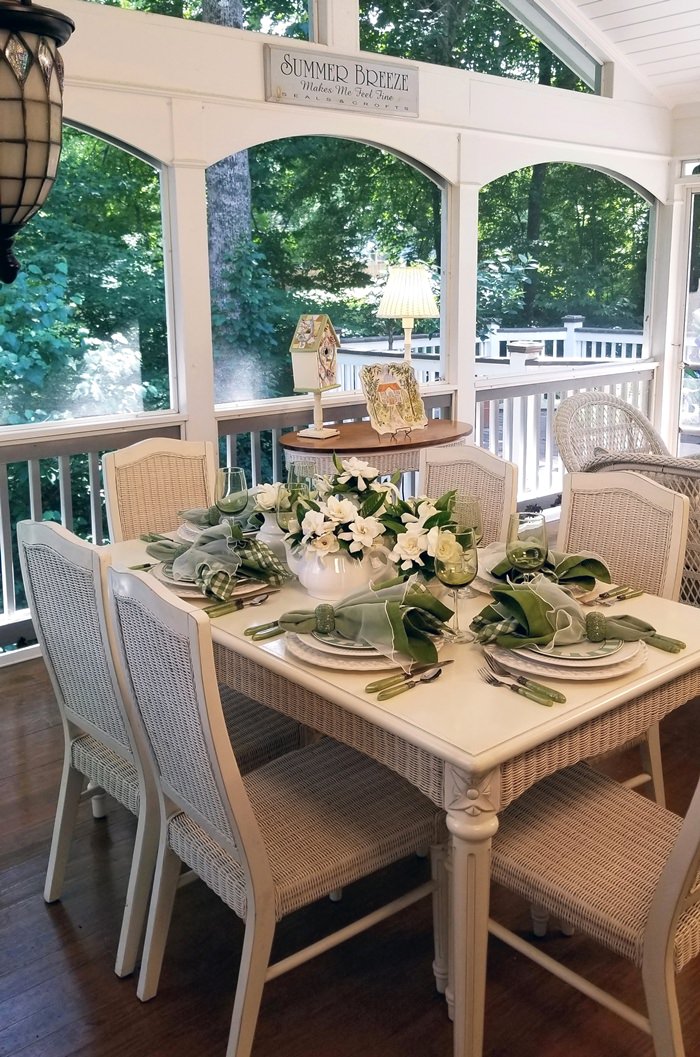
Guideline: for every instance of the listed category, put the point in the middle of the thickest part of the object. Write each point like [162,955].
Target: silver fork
[489,677]
[500,670]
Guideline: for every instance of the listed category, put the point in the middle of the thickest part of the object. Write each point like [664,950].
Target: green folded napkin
[203,517]
[399,617]
[539,613]
[629,629]
[533,614]
[217,559]
[581,569]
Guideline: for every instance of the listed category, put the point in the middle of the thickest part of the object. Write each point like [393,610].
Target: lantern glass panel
[37,121]
[31,192]
[34,86]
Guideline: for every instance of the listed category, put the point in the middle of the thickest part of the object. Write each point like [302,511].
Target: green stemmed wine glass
[456,565]
[526,545]
[231,494]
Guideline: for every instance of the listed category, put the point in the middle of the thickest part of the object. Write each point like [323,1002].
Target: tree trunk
[535,198]
[229,213]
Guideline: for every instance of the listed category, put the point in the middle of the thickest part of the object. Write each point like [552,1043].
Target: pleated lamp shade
[407,296]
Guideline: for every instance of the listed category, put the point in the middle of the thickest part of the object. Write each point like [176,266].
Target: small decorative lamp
[314,352]
[407,296]
[31,106]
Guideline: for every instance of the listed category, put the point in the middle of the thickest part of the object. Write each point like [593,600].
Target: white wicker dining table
[470,747]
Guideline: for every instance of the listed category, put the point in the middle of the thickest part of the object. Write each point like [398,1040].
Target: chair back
[172,698]
[595,423]
[468,468]
[147,484]
[672,934]
[63,579]
[638,527]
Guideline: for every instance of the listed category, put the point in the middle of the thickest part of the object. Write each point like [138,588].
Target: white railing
[513,418]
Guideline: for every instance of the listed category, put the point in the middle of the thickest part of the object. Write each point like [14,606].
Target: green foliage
[40,342]
[500,286]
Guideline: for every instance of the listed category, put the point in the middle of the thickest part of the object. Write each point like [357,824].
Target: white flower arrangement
[353,511]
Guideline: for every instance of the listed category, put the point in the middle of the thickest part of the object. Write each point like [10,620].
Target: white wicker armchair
[596,423]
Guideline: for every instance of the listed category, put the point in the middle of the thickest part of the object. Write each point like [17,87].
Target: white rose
[326,544]
[408,549]
[363,532]
[339,509]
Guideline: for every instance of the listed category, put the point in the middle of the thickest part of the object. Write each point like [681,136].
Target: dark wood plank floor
[372,997]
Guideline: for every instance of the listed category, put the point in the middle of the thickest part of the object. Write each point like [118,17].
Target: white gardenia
[446,547]
[356,468]
[408,549]
[315,524]
[339,509]
[363,532]
[425,510]
[326,544]
[269,495]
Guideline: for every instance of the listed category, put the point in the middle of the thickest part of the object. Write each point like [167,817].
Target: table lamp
[314,352]
[407,296]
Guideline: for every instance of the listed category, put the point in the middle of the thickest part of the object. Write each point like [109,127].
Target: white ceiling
[659,38]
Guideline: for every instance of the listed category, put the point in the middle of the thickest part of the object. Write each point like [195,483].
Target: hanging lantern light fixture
[31,108]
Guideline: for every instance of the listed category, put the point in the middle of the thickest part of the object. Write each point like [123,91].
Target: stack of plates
[189,532]
[334,651]
[579,661]
[189,589]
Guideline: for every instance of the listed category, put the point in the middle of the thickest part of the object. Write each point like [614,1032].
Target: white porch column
[189,304]
[666,300]
[460,236]
[336,23]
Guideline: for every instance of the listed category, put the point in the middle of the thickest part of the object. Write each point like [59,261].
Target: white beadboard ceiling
[660,38]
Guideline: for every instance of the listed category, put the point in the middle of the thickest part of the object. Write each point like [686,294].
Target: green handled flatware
[533,695]
[424,677]
[539,688]
[402,677]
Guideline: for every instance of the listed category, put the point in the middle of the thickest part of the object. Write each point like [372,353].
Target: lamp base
[319,432]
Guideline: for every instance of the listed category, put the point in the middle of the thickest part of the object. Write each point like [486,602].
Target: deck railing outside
[57,474]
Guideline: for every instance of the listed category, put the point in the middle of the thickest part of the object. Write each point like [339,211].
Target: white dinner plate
[301,648]
[183,588]
[520,662]
[578,651]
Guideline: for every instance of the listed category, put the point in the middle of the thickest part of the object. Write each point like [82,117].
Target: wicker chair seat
[591,851]
[108,770]
[343,830]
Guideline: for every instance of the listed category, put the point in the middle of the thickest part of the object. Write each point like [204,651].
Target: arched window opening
[559,240]
[83,328]
[306,225]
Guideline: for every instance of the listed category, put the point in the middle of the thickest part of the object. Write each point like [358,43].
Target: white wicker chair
[65,583]
[620,869]
[596,423]
[680,474]
[469,468]
[278,839]
[639,528]
[147,484]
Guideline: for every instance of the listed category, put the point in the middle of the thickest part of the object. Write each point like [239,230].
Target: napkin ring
[325,618]
[596,627]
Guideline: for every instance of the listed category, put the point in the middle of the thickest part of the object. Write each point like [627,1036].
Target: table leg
[472,822]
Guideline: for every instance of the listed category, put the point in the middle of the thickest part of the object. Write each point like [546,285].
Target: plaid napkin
[399,617]
[582,569]
[216,559]
[536,613]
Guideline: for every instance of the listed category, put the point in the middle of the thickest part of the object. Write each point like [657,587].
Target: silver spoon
[425,677]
